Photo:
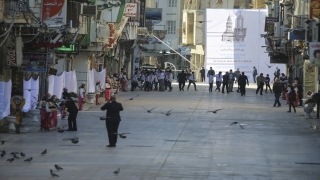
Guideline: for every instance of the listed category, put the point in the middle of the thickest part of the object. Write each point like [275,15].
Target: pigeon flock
[17,155]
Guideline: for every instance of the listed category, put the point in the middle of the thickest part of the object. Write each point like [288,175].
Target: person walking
[62,107]
[276,74]
[225,82]
[218,81]
[260,83]
[192,79]
[254,74]
[98,92]
[300,91]
[134,82]
[211,71]
[113,120]
[203,72]
[182,80]
[107,92]
[81,96]
[231,80]
[242,81]
[71,107]
[292,98]
[267,81]
[210,82]
[169,80]
[236,75]
[161,81]
[277,90]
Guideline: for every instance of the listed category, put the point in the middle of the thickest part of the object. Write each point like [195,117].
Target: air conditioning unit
[103,33]
[87,10]
[277,29]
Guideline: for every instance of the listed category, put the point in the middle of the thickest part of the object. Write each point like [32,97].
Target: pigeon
[58,167]
[74,140]
[14,153]
[2,155]
[2,142]
[60,130]
[132,97]
[117,171]
[215,111]
[122,135]
[28,160]
[44,152]
[15,156]
[235,123]
[11,159]
[53,174]
[149,110]
[4,152]
[168,113]
[22,154]
[269,66]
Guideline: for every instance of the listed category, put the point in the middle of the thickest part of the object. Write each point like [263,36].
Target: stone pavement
[188,144]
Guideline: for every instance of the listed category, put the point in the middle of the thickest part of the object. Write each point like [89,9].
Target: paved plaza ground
[188,144]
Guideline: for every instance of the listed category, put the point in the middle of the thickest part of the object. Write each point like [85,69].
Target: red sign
[314,8]
[51,8]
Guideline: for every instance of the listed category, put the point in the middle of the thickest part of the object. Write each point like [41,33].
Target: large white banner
[233,41]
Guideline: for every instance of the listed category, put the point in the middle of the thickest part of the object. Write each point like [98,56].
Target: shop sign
[71,49]
[314,9]
[34,62]
[54,12]
[11,57]
[52,71]
[314,53]
[269,24]
[130,9]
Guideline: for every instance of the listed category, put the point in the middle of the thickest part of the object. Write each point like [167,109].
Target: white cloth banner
[71,81]
[93,77]
[59,84]
[30,93]
[65,80]
[5,90]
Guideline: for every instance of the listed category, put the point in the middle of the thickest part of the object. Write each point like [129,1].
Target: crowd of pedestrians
[159,80]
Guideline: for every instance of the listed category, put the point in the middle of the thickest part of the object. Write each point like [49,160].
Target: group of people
[50,104]
[155,80]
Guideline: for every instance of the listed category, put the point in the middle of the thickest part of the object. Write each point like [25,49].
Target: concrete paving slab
[188,144]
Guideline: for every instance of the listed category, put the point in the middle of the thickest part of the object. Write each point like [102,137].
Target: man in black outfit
[73,112]
[182,80]
[242,81]
[225,82]
[203,73]
[113,120]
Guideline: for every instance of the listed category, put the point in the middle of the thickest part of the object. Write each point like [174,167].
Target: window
[172,3]
[171,27]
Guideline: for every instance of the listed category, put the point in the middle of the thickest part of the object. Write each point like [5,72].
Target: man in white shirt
[231,80]
[192,79]
[161,81]
[218,80]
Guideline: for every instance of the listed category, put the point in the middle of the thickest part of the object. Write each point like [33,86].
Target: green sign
[71,49]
